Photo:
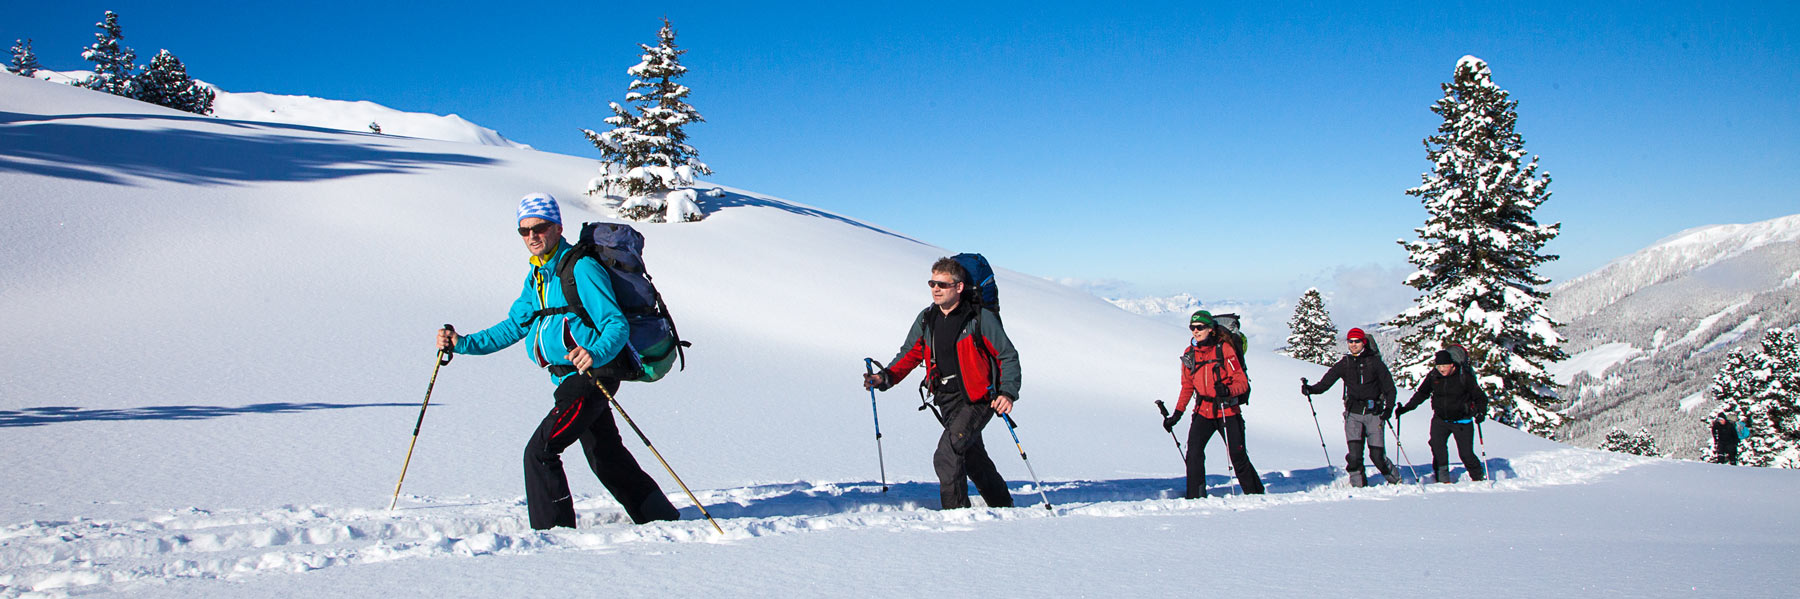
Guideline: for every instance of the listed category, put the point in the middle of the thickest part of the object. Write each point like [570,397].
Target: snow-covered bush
[645,155]
[1638,443]
[1314,337]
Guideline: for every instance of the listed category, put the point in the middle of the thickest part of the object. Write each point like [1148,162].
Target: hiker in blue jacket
[1457,403]
[567,346]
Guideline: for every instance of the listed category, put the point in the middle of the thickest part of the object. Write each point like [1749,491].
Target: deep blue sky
[1228,151]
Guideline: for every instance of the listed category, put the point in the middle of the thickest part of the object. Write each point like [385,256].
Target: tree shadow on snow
[44,415]
[65,147]
[710,205]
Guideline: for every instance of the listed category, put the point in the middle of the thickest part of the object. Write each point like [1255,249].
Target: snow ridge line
[89,555]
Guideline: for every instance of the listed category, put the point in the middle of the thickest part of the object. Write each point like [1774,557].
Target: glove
[1169,423]
[1305,389]
[1387,414]
[1480,417]
[877,380]
[1403,410]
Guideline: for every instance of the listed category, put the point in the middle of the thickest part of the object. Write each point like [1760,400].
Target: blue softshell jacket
[549,339]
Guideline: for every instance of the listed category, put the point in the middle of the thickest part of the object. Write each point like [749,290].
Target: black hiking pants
[961,456]
[1441,431]
[582,413]
[1202,431]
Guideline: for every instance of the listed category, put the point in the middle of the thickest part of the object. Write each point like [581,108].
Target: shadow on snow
[43,415]
[811,499]
[65,147]
[710,205]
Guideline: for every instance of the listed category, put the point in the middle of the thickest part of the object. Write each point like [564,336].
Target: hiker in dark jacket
[1212,371]
[1368,403]
[1457,403]
[972,373]
[567,346]
[1727,431]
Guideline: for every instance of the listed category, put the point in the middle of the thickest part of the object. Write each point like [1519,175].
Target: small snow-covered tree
[1638,443]
[166,83]
[24,61]
[1763,389]
[1314,337]
[115,65]
[645,155]
[1477,253]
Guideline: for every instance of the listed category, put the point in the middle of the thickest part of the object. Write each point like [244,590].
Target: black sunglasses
[936,284]
[1198,327]
[540,228]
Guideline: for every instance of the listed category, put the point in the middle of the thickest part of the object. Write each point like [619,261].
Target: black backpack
[653,345]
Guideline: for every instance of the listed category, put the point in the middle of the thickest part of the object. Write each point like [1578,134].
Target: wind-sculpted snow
[87,555]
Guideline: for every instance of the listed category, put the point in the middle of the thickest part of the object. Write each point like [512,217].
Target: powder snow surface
[217,337]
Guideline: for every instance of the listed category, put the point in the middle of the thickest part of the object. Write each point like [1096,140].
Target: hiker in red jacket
[1212,370]
[972,373]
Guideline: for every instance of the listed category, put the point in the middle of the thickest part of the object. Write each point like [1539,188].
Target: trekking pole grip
[444,355]
[1162,408]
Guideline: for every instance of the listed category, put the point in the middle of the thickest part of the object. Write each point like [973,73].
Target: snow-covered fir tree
[1638,443]
[24,61]
[645,155]
[1763,390]
[115,65]
[1477,253]
[1314,337]
[166,83]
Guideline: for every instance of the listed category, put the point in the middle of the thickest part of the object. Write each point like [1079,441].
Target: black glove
[876,380]
[1480,417]
[1170,422]
[1305,389]
[1403,410]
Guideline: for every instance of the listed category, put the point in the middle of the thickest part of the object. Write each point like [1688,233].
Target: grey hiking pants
[1361,430]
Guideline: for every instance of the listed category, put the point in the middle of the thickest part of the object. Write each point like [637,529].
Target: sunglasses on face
[540,229]
[1198,327]
[1358,341]
[936,284]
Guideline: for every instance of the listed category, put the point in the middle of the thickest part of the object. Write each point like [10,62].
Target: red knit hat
[1355,334]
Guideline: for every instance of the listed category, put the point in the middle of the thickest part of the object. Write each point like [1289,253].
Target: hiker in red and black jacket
[980,381]
[1212,370]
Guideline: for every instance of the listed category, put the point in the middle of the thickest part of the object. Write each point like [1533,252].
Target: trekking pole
[1485,470]
[1178,449]
[1225,435]
[1010,427]
[1395,425]
[1329,467]
[443,357]
[658,454]
[869,365]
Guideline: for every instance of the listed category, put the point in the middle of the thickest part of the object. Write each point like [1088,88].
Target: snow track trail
[42,558]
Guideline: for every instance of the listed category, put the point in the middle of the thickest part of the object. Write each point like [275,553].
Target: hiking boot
[1358,479]
[1393,478]
[1441,475]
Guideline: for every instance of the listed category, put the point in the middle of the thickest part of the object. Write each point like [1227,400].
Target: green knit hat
[1201,317]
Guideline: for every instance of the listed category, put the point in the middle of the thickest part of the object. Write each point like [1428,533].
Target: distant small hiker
[1213,371]
[568,346]
[1368,403]
[972,373]
[1457,403]
[1727,431]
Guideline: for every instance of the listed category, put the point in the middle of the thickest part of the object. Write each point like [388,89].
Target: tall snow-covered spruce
[115,65]
[1477,253]
[166,83]
[1763,389]
[24,61]
[1313,337]
[646,160]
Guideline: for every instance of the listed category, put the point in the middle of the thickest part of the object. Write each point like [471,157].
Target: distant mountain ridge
[1647,331]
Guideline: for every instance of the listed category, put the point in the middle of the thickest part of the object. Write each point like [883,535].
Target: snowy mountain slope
[216,338]
[1676,309]
[334,114]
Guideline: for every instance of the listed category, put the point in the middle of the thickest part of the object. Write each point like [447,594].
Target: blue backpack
[983,291]
[654,345]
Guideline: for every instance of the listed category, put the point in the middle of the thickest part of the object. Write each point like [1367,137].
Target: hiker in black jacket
[1457,402]
[1368,403]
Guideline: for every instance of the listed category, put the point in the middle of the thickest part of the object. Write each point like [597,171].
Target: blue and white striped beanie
[540,205]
